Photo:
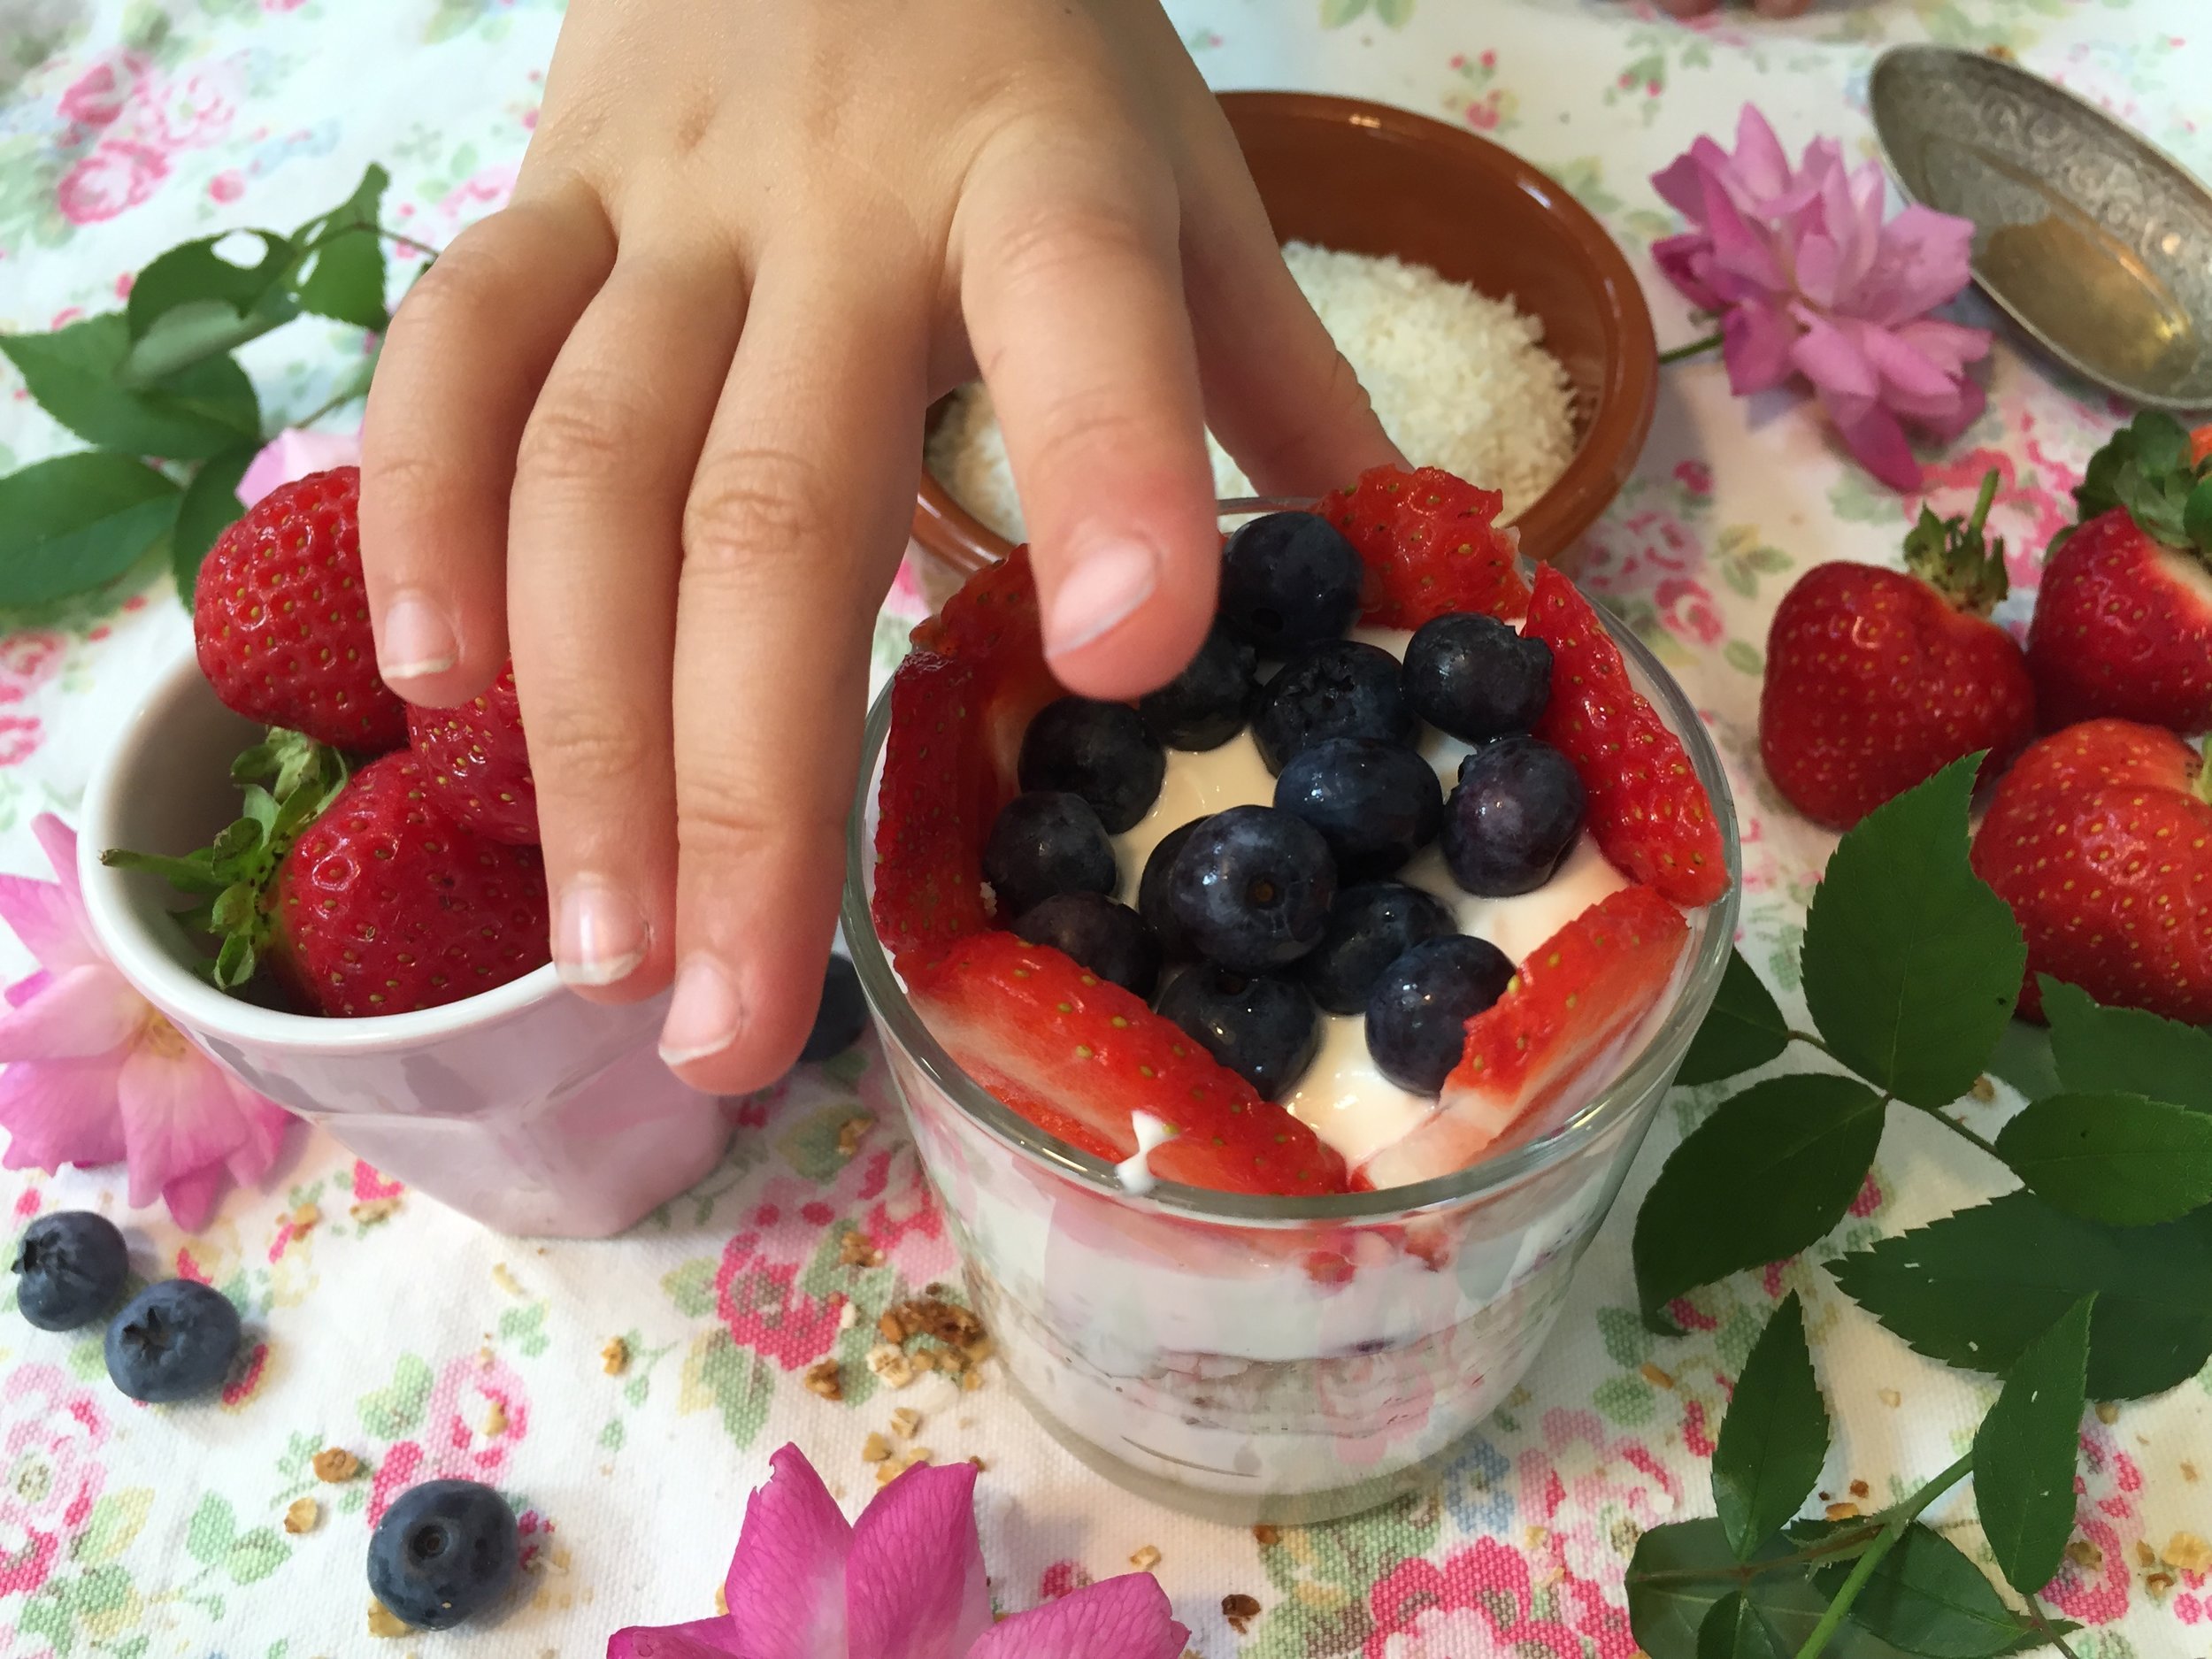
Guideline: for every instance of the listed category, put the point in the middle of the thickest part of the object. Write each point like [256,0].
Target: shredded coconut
[1459,381]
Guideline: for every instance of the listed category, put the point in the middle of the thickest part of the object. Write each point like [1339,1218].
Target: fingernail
[416,641]
[1108,583]
[602,935]
[702,1015]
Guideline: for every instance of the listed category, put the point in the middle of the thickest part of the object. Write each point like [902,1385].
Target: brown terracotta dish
[1366,178]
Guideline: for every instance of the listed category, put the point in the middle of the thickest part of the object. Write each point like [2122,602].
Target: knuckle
[584,748]
[748,504]
[580,431]
[456,295]
[1037,251]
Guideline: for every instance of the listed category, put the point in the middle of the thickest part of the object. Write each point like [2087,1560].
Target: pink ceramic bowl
[526,1108]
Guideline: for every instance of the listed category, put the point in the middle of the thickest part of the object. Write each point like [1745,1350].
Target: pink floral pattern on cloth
[627,1396]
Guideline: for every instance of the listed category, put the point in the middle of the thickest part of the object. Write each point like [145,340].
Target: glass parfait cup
[1276,1359]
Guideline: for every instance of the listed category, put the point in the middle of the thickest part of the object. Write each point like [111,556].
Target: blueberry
[1103,934]
[1416,1017]
[1475,677]
[1044,843]
[1101,751]
[1375,803]
[444,1551]
[1288,579]
[1261,1027]
[1515,815]
[841,1016]
[1152,900]
[69,1269]
[1203,707]
[1344,688]
[1370,927]
[173,1341]
[1252,888]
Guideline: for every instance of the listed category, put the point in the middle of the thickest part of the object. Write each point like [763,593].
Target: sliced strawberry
[991,625]
[1431,546]
[929,836]
[1578,995]
[1035,1028]
[1648,811]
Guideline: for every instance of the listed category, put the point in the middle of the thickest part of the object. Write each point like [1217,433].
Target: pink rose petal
[1126,1618]
[293,453]
[85,1012]
[787,1584]
[916,1585]
[702,1638]
[1755,342]
[61,1111]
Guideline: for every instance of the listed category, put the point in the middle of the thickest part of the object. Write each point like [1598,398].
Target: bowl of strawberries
[340,898]
[1277,1043]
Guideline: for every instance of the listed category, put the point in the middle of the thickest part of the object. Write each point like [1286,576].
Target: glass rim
[1660,1055]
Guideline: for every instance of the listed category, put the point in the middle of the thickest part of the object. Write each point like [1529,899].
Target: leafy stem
[400,239]
[1696,348]
[1900,1517]
[1966,1134]
[1841,1543]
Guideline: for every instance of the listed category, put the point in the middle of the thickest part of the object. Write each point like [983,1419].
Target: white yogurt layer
[1343,1098]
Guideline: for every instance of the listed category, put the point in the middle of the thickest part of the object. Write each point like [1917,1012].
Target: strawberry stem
[1954,557]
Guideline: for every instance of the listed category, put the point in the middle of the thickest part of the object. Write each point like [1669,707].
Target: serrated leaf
[1912,963]
[1975,1288]
[1744,1029]
[344,278]
[2196,516]
[210,506]
[1765,1176]
[2024,1452]
[1734,1629]
[201,412]
[77,520]
[2126,1049]
[1775,1436]
[2119,1159]
[2023,1058]
[2162,442]
[1927,1597]
[1681,1570]
[193,273]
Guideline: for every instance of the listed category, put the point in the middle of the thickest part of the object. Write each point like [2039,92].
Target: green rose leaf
[1766,1175]
[1927,1597]
[1682,1571]
[203,411]
[2024,1452]
[2023,1058]
[194,274]
[1912,963]
[210,506]
[1775,1436]
[76,521]
[1745,1028]
[344,277]
[1976,1288]
[1735,1628]
[2125,1049]
[2119,1159]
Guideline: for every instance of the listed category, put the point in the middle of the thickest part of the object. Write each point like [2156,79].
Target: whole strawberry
[1877,680]
[2123,623]
[282,620]
[479,764]
[2100,839]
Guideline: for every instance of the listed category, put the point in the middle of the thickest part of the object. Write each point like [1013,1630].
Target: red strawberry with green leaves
[2124,622]
[355,893]
[1648,811]
[281,618]
[1078,1055]
[2100,839]
[479,761]
[1430,544]
[1579,996]
[1877,680]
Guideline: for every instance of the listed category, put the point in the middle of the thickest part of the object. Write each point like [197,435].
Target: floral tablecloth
[626,1394]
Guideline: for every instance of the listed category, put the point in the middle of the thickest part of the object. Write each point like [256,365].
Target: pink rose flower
[293,454]
[98,1075]
[905,1580]
[49,1447]
[1809,281]
[115,176]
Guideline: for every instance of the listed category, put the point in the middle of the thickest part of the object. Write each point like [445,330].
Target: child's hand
[656,428]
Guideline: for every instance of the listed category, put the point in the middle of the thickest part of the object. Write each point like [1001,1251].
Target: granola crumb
[1264,1535]
[848,1314]
[826,1377]
[2157,1583]
[384,1622]
[922,1360]
[889,1471]
[888,1328]
[2189,1473]
[892,1366]
[1984,1090]
[977,1460]
[905,1422]
[854,1249]
[614,1358]
[1859,1489]
[505,1280]
[369,1211]
[972,1381]
[301,1515]
[1843,1511]
[1146,1559]
[2146,1557]
[1240,1610]
[849,1133]
[918,1454]
[1891,1398]
[2085,1556]
[2107,1412]
[305,1218]
[335,1463]
[494,1420]
[721,1600]
[875,1448]
[2188,1552]
[1655,1377]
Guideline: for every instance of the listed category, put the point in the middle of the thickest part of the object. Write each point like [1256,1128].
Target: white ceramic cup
[527,1108]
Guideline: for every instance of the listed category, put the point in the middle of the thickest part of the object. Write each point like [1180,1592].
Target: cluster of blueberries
[1274,913]
[444,1550]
